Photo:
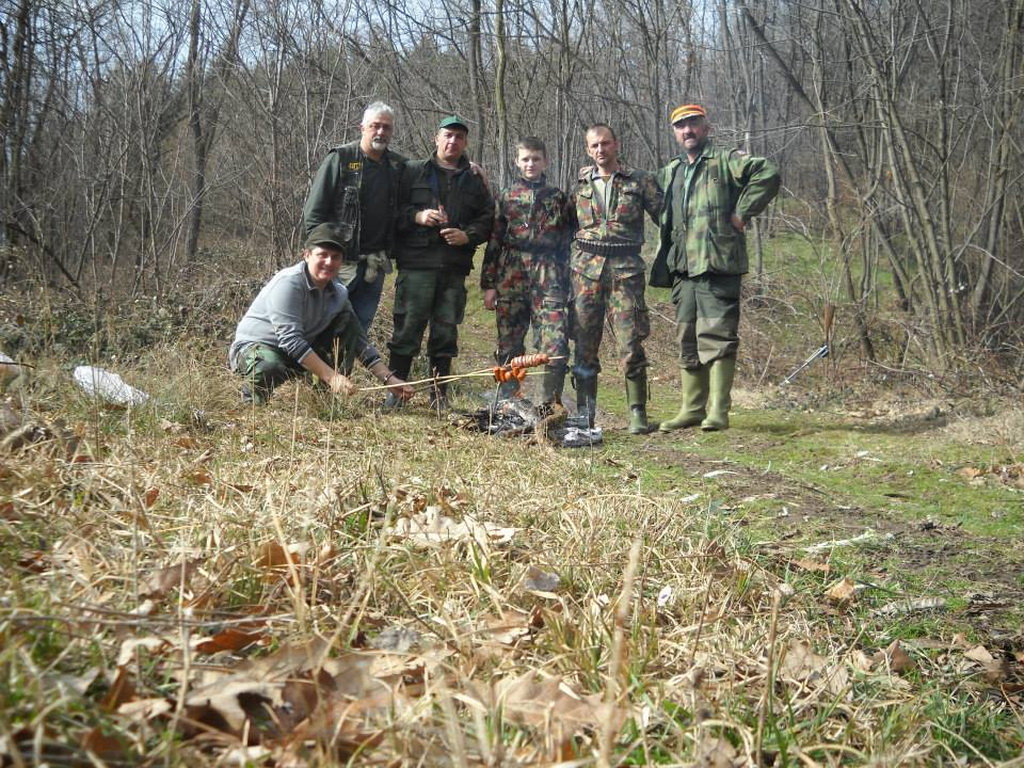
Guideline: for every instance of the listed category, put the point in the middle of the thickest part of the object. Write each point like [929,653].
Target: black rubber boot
[586,398]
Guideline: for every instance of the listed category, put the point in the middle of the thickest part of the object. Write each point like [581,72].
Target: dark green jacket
[724,181]
[469,206]
[334,194]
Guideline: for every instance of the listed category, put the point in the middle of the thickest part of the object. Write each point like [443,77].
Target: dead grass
[315,583]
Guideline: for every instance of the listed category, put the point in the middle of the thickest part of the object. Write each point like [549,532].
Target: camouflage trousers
[707,317]
[265,367]
[531,295]
[621,300]
[428,297]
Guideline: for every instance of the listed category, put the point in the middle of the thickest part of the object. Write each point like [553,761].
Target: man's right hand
[341,385]
[431,217]
[490,299]
[402,391]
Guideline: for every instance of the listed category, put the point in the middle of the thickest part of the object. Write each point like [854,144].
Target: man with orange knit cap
[710,197]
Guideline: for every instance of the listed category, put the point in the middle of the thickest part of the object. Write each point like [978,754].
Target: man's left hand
[454,236]
[737,223]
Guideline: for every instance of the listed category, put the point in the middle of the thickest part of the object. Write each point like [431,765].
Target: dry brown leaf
[34,562]
[197,476]
[230,639]
[718,753]
[842,592]
[861,661]
[960,641]
[128,648]
[144,710]
[122,690]
[895,658]
[980,654]
[803,666]
[163,580]
[394,669]
[547,702]
[226,704]
[994,670]
[103,745]
[512,626]
[346,726]
[275,559]
[807,564]
[289,659]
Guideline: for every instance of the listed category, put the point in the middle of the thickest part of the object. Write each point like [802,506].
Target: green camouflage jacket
[724,182]
[618,233]
[532,217]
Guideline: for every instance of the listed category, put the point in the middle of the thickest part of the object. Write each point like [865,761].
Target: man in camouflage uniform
[444,212]
[710,197]
[525,275]
[356,188]
[607,271]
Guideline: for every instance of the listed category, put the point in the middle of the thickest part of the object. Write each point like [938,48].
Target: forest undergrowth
[833,581]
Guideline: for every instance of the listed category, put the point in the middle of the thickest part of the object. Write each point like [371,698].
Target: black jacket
[469,206]
[334,194]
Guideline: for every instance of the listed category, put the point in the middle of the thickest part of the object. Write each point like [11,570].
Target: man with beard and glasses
[356,189]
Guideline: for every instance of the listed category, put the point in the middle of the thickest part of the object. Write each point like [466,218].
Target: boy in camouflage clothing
[525,276]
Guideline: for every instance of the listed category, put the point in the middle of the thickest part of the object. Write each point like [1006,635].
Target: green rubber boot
[636,397]
[551,385]
[695,398]
[723,371]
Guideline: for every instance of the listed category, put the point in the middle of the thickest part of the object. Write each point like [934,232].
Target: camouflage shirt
[612,226]
[533,218]
[701,238]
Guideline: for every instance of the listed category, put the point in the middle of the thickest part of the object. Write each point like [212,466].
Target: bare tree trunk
[500,108]
[476,80]
[204,108]
[1011,104]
